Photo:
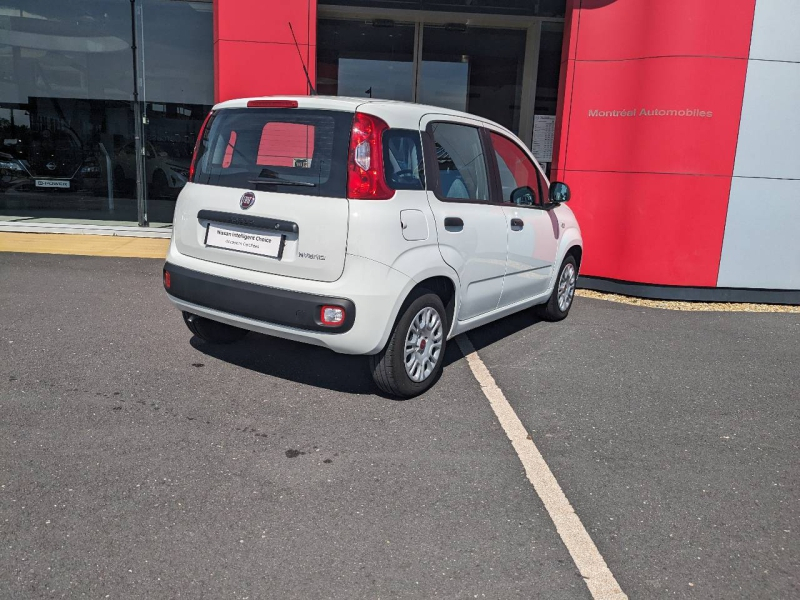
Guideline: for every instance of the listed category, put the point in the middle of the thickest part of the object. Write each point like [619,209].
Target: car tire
[422,322]
[213,332]
[557,306]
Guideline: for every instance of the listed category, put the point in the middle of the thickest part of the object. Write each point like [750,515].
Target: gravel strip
[692,306]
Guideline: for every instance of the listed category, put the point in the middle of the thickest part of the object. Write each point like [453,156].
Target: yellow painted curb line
[84,245]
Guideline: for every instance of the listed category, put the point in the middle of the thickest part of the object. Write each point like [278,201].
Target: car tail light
[193,164]
[366,179]
[272,104]
[332,316]
[167,279]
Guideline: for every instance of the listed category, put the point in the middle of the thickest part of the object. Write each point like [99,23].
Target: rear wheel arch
[441,285]
[445,288]
[577,252]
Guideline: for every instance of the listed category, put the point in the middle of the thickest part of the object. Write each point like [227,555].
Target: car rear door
[471,230]
[269,191]
[533,231]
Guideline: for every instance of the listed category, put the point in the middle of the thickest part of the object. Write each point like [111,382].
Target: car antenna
[302,62]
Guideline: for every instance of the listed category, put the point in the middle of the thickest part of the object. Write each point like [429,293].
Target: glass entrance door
[370,60]
[476,70]
[468,68]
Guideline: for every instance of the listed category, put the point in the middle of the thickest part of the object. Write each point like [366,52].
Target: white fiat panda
[366,226]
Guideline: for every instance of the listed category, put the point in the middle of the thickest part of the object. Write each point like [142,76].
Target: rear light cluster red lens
[167,280]
[272,104]
[332,316]
[365,175]
[193,164]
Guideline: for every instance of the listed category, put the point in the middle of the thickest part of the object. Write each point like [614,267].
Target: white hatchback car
[366,226]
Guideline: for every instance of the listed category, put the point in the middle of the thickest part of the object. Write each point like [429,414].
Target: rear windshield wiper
[281,181]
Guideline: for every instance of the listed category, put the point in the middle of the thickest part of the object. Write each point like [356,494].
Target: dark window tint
[545,8]
[291,151]
[356,59]
[402,158]
[461,162]
[516,171]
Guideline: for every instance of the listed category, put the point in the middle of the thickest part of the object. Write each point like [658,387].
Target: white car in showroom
[366,226]
[166,168]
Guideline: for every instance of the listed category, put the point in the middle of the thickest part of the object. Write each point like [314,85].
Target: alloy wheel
[423,346]
[566,287]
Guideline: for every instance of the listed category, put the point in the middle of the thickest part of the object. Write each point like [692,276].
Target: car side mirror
[523,196]
[559,192]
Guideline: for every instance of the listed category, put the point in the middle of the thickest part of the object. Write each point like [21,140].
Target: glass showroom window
[177,55]
[65,108]
[67,127]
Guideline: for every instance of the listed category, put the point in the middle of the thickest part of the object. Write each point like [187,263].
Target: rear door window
[461,160]
[291,151]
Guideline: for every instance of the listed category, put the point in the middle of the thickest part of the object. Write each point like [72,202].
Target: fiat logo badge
[247,200]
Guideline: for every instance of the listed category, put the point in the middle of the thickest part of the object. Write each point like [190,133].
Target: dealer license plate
[245,239]
[53,183]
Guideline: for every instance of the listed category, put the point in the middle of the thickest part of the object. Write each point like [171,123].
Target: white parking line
[590,563]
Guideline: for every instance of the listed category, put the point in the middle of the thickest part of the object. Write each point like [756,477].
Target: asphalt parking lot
[137,462]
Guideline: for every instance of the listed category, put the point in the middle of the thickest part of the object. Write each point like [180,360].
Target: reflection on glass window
[178,56]
[446,83]
[66,104]
[66,84]
[542,8]
[365,60]
[477,70]
[516,171]
[286,145]
[301,152]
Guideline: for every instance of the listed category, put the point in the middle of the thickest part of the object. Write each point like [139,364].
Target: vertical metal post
[530,71]
[417,59]
[138,128]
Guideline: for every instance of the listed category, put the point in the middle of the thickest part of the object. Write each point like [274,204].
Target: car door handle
[517,224]
[453,224]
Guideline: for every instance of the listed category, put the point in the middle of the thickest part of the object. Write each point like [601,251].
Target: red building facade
[664,132]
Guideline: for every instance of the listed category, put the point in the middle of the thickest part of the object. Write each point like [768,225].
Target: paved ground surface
[136,462]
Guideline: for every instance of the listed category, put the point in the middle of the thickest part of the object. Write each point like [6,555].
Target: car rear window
[291,151]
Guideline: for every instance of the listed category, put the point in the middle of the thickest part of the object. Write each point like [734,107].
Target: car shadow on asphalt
[323,368]
[293,361]
[497,331]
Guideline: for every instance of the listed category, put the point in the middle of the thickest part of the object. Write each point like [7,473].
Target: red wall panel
[651,190]
[645,115]
[625,29]
[267,20]
[651,228]
[261,69]
[254,54]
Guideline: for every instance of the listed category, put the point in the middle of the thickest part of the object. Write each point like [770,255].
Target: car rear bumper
[257,302]
[370,292]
